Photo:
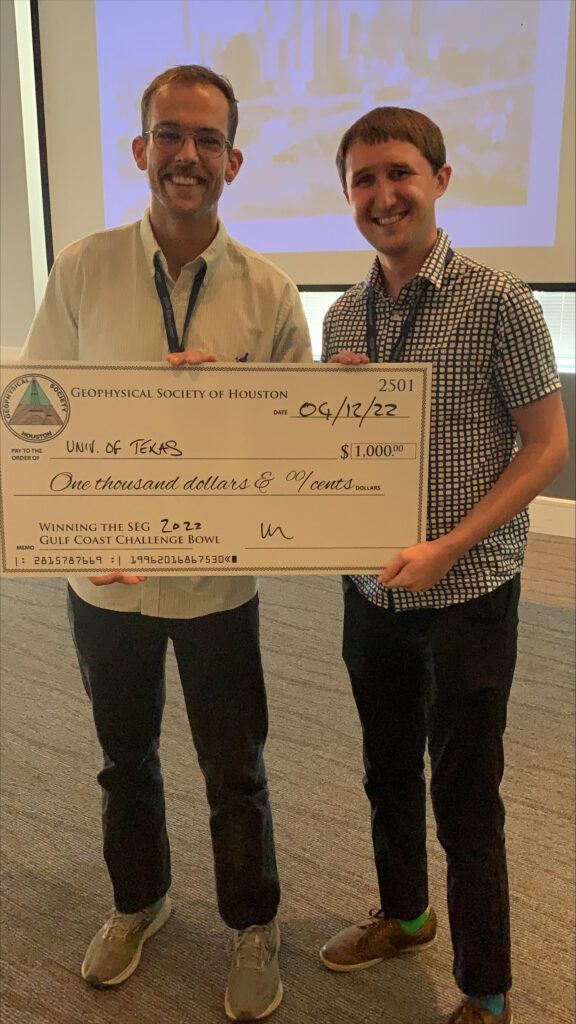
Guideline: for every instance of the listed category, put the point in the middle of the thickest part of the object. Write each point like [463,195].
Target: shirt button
[395,317]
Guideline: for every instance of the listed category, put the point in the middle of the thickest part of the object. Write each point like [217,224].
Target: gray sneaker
[115,950]
[254,987]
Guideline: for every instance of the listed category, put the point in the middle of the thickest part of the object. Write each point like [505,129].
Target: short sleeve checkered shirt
[492,353]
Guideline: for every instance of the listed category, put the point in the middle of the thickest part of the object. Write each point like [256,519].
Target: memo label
[34,408]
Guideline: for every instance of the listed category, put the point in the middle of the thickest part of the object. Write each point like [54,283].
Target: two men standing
[429,645]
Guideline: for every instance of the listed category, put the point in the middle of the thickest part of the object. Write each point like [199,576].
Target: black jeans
[442,674]
[122,656]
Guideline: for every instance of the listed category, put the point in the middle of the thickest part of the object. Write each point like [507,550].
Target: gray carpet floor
[55,891]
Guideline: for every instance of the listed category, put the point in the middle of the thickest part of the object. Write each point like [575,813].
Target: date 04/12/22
[348,410]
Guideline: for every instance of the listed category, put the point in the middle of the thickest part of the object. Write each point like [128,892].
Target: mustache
[186,170]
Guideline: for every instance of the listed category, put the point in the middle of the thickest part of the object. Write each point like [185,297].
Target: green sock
[413,926]
[495,1004]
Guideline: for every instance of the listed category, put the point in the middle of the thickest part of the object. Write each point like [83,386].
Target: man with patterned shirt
[430,644]
[174,285]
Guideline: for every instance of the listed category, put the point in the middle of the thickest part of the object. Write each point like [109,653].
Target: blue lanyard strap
[164,295]
[406,329]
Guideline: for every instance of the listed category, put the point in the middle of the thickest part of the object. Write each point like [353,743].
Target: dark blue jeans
[122,657]
[442,675]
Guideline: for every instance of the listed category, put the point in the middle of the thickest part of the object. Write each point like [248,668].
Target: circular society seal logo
[35,408]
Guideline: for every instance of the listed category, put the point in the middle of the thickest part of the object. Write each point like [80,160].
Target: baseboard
[555,516]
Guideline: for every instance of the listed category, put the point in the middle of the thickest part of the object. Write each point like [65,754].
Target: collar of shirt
[432,269]
[210,256]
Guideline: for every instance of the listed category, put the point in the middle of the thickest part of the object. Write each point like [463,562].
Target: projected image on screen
[491,75]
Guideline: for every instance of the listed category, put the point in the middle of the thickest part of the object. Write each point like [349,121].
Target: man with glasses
[175,285]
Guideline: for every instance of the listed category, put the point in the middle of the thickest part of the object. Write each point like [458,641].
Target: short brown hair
[400,123]
[194,74]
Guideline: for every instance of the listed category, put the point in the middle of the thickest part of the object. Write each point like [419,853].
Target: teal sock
[413,926]
[493,1003]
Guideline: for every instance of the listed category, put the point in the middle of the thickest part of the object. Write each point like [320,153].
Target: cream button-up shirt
[101,306]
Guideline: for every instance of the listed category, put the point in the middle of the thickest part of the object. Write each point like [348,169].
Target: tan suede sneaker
[254,987]
[470,1012]
[375,939]
[114,953]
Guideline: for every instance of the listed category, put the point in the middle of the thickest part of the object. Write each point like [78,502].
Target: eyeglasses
[207,140]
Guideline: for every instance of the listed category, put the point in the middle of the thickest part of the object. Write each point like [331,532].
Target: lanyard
[164,296]
[406,329]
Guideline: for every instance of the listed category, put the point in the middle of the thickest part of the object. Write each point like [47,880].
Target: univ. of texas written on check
[211,469]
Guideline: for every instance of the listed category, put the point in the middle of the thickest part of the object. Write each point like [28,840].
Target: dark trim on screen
[569,286]
[35,22]
[547,286]
[323,287]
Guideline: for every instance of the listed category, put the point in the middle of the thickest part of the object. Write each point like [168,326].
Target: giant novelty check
[220,468]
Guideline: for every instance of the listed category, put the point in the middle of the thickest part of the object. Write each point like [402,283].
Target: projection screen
[493,76]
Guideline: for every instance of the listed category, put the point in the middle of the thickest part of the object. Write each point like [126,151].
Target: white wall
[16,281]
